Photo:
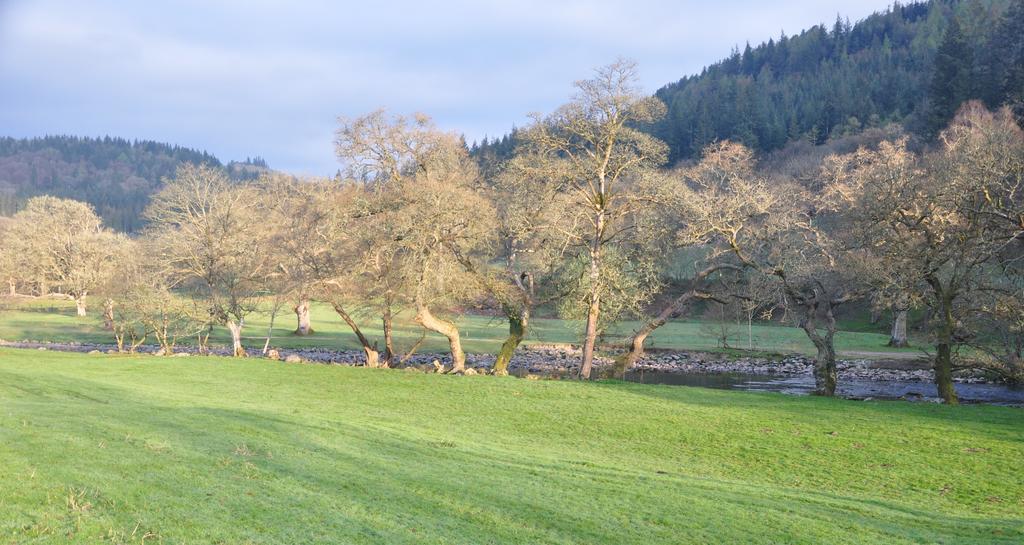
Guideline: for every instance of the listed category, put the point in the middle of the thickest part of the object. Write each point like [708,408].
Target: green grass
[55,320]
[110,449]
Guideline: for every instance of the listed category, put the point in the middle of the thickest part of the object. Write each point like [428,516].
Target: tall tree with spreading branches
[208,232]
[944,221]
[598,140]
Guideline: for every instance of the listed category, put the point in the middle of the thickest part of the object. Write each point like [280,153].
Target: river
[995,394]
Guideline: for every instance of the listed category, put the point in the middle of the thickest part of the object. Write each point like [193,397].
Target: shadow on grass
[451,489]
[382,477]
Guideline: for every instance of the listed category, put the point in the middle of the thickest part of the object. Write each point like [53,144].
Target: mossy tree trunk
[816,302]
[515,293]
[635,347]
[635,350]
[943,365]
[518,322]
[825,372]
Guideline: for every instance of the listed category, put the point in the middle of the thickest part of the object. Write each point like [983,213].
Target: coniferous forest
[114,175]
[913,64]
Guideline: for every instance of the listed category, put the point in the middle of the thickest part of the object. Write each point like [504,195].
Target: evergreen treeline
[115,175]
[491,152]
[913,64]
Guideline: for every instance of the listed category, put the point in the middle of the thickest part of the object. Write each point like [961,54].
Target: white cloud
[268,78]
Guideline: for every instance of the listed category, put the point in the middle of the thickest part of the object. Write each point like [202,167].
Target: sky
[241,78]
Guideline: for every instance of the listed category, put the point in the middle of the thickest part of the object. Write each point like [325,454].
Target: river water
[995,394]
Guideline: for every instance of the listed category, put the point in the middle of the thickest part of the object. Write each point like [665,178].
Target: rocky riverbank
[562,360]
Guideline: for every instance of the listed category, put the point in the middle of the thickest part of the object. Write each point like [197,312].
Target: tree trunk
[590,337]
[163,338]
[372,357]
[80,305]
[270,330]
[594,309]
[426,319]
[108,314]
[389,343]
[203,339]
[236,338]
[898,337]
[518,321]
[944,355]
[944,373]
[635,349]
[825,373]
[636,345]
[302,315]
[370,350]
[626,361]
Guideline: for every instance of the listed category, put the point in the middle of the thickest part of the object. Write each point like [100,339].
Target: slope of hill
[222,451]
[113,174]
[824,83]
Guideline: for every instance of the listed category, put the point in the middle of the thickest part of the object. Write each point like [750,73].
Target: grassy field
[118,449]
[55,320]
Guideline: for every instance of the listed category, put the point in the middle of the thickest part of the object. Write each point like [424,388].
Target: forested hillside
[913,64]
[115,175]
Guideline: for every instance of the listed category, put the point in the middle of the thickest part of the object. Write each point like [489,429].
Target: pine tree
[1009,43]
[951,78]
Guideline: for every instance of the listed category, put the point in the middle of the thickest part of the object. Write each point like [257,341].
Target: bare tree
[596,137]
[529,224]
[318,228]
[443,223]
[208,232]
[293,225]
[11,266]
[741,222]
[715,204]
[63,243]
[423,215]
[818,275]
[943,221]
[143,305]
